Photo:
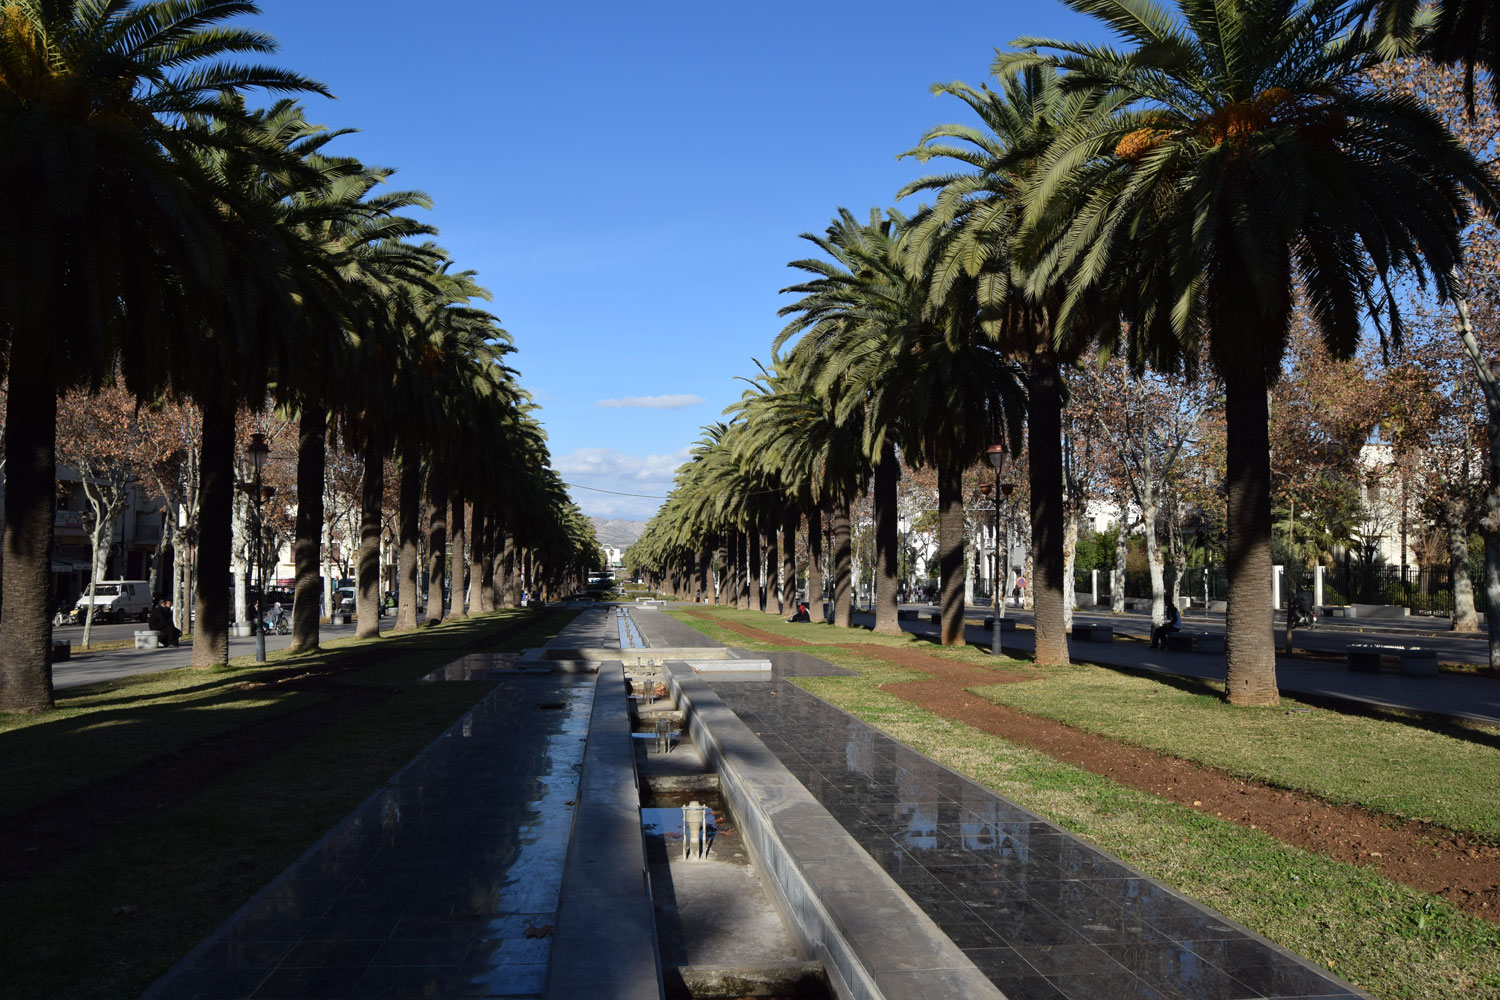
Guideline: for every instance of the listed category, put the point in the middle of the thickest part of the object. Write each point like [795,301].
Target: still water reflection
[445,883]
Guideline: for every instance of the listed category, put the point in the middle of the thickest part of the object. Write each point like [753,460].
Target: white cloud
[649,476]
[672,402]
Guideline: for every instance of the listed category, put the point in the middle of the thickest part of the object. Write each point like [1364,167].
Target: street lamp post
[257,451]
[996,455]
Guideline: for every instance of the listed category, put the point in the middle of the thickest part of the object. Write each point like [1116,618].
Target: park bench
[62,649]
[905,614]
[1006,624]
[147,639]
[1369,656]
[1200,642]
[1093,632]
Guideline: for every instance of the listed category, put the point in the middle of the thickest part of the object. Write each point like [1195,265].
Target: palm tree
[967,241]
[104,256]
[853,304]
[1248,157]
[1466,32]
[358,245]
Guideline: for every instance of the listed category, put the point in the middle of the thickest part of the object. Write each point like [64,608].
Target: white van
[116,601]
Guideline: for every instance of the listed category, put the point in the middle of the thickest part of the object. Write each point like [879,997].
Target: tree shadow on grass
[62,752]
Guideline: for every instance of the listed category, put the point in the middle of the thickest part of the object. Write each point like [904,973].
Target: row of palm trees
[1176,192]
[161,232]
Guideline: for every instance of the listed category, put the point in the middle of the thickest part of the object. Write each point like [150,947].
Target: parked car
[116,601]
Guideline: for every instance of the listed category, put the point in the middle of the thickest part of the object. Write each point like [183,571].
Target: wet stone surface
[444,884]
[1043,914]
[475,667]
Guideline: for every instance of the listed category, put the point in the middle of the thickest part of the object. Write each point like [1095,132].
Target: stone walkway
[1043,914]
[447,882]
[443,884]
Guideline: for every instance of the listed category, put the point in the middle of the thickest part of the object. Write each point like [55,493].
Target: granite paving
[444,883]
[1044,914]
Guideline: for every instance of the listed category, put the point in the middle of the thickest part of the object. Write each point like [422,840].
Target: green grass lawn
[1411,771]
[185,868]
[1392,940]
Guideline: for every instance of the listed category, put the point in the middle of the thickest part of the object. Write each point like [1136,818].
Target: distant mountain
[617,531]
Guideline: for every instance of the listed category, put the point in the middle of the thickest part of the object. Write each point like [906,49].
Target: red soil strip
[1422,855]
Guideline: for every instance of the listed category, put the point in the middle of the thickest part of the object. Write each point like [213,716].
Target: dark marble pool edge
[227,925]
[845,911]
[1264,941]
[604,944]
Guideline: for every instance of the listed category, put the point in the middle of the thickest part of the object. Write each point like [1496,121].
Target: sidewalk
[445,883]
[85,667]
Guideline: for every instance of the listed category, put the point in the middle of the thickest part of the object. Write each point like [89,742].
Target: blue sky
[630,179]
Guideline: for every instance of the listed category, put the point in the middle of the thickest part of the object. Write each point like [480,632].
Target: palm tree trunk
[1250,641]
[703,586]
[815,565]
[752,575]
[30,497]
[367,573]
[482,559]
[843,566]
[721,555]
[410,503]
[307,547]
[511,591]
[951,552]
[791,518]
[887,476]
[773,574]
[1044,439]
[733,574]
[460,562]
[437,539]
[215,515]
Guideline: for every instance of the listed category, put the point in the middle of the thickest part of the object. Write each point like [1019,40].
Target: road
[88,668]
[1331,635]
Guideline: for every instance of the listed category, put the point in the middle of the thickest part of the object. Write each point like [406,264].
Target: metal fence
[1138,584]
[1427,591]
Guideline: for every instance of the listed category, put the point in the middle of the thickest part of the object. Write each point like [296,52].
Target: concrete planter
[240,629]
[1378,611]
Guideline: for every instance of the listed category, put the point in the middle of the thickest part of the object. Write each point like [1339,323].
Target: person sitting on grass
[1173,623]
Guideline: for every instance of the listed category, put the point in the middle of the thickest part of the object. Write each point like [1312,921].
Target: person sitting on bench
[160,621]
[1172,624]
